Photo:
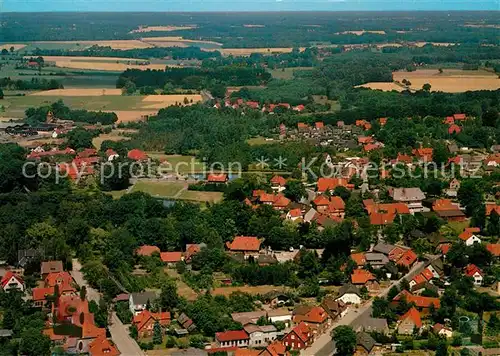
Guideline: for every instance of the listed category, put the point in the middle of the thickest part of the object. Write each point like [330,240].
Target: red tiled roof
[420,302]
[459,117]
[244,243]
[365,139]
[427,273]
[294,213]
[382,121]
[465,235]
[492,206]
[232,335]
[321,200]
[419,279]
[103,347]
[86,153]
[6,278]
[472,269]
[302,331]
[281,201]
[361,276]
[319,124]
[494,249]
[359,258]
[414,315]
[278,180]
[371,146]
[445,248]
[408,258]
[454,129]
[277,348]
[473,229]
[316,315]
[325,184]
[147,250]
[449,120]
[137,155]
[110,152]
[424,153]
[40,294]
[169,257]
[217,178]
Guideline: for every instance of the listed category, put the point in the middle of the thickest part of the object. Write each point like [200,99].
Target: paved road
[323,345]
[120,335]
[119,332]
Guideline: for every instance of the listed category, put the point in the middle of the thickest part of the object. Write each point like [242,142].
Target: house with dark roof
[412,197]
[50,267]
[335,308]
[369,324]
[139,301]
[364,344]
[349,294]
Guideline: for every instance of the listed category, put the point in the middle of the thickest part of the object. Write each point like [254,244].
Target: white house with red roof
[278,183]
[469,238]
[248,245]
[12,281]
[232,338]
[473,271]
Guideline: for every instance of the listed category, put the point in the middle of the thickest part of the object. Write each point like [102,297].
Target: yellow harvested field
[254,26]
[359,33]
[437,44]
[450,81]
[112,136]
[16,46]
[162,28]
[78,92]
[87,59]
[173,39]
[117,44]
[107,66]
[381,86]
[172,98]
[249,51]
[133,115]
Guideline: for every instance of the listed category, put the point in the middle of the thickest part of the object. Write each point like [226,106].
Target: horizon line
[249,11]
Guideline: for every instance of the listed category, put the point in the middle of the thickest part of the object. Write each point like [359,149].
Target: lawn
[201,196]
[286,73]
[161,189]
[257,141]
[178,163]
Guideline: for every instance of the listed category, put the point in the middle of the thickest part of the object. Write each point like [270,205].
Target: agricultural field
[176,41]
[8,46]
[115,135]
[72,45]
[161,189]
[162,28]
[450,80]
[226,291]
[128,108]
[178,163]
[248,51]
[103,63]
[287,73]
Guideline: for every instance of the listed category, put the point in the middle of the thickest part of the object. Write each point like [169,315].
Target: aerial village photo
[268,178]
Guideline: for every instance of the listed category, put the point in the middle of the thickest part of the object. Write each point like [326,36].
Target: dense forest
[285,29]
[33,84]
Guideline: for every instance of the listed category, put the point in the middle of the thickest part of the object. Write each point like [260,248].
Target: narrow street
[324,346]
[119,331]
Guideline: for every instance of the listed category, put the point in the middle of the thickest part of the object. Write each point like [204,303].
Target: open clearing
[78,92]
[133,115]
[226,291]
[177,41]
[287,73]
[178,163]
[249,51]
[212,197]
[116,44]
[359,33]
[115,135]
[162,28]
[8,46]
[162,189]
[103,63]
[162,101]
[450,81]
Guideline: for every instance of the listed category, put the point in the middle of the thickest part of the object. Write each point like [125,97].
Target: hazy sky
[245,5]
